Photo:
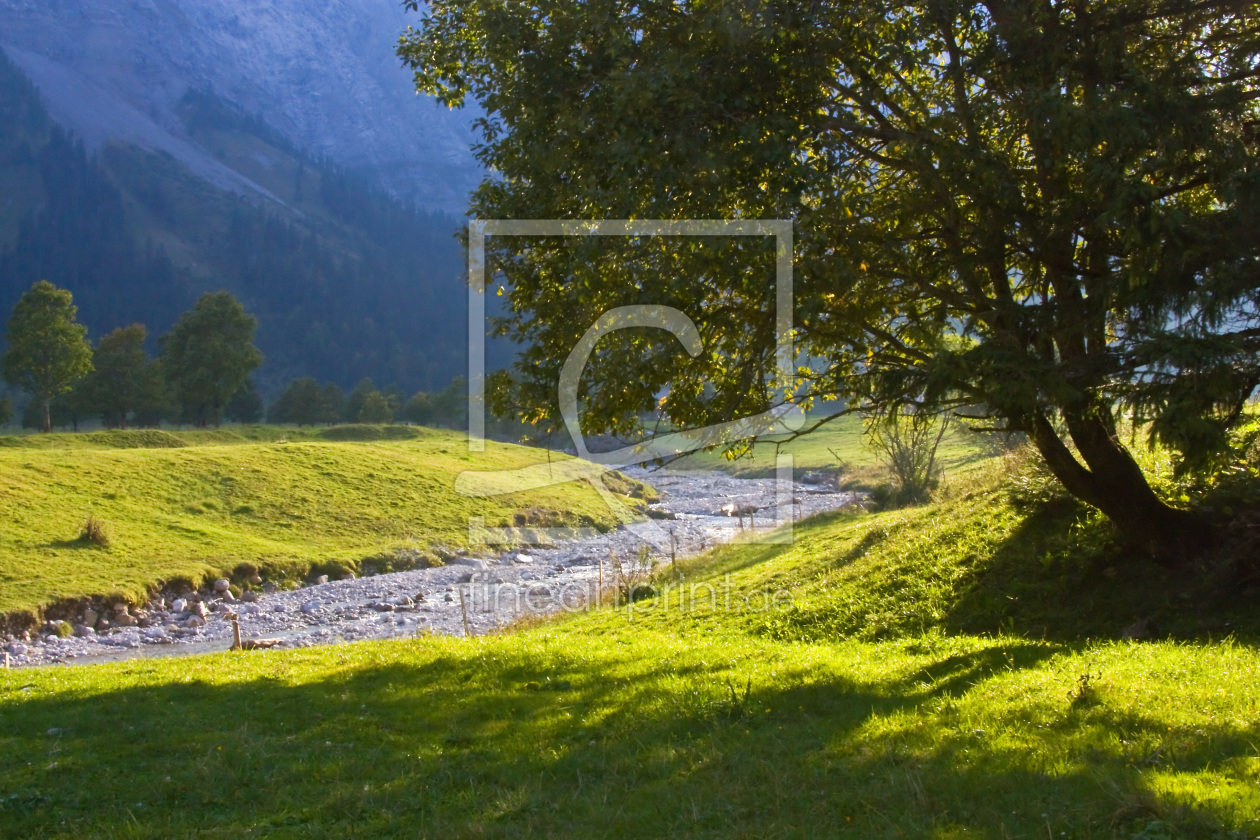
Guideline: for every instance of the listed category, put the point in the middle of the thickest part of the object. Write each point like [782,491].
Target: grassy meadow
[196,505]
[837,447]
[954,670]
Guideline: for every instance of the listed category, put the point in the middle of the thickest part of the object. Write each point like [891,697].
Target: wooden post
[463,609]
[6,660]
[599,593]
[673,552]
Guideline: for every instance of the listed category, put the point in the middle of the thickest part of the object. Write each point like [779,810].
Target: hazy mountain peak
[324,75]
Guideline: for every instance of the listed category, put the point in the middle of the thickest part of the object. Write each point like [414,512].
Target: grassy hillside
[195,505]
[908,674]
[996,557]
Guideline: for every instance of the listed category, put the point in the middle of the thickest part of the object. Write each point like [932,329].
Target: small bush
[633,581]
[907,442]
[94,531]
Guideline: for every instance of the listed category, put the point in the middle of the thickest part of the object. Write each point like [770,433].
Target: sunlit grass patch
[199,510]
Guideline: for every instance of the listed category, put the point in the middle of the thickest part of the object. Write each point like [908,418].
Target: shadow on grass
[75,544]
[1061,576]
[499,744]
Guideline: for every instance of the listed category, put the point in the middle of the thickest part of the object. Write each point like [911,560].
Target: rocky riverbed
[473,592]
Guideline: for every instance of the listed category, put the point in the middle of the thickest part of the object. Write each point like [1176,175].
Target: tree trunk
[47,401]
[1112,481]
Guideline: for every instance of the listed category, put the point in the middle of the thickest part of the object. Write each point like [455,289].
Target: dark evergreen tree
[450,405]
[357,400]
[376,409]
[332,405]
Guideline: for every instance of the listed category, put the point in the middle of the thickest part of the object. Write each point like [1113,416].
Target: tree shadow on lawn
[1061,576]
[490,745]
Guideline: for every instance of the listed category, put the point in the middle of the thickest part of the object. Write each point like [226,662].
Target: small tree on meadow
[301,403]
[209,354]
[418,409]
[376,409]
[125,381]
[358,398]
[48,349]
[450,405]
[332,404]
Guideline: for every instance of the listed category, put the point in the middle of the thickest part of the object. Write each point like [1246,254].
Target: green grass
[837,447]
[597,728]
[162,439]
[916,676]
[197,504]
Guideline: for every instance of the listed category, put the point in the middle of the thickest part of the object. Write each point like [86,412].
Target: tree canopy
[48,349]
[125,382]
[1040,213]
[302,403]
[208,355]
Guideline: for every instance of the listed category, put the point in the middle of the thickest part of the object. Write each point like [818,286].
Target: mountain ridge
[346,281]
[324,76]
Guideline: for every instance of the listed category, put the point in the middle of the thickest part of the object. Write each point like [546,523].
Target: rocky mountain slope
[323,75]
[346,281]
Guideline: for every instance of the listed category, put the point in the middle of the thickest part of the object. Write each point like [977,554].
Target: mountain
[322,75]
[347,280]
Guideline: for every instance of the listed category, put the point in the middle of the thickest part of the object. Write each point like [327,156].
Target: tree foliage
[375,409]
[418,409]
[304,403]
[300,403]
[208,355]
[48,349]
[246,405]
[1047,210]
[125,382]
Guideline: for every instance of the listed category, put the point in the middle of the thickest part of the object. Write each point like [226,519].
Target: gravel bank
[497,589]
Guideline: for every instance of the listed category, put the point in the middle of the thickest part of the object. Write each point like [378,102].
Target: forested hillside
[346,282]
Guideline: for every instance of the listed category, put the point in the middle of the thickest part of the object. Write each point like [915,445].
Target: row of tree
[307,403]
[205,359]
[201,375]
